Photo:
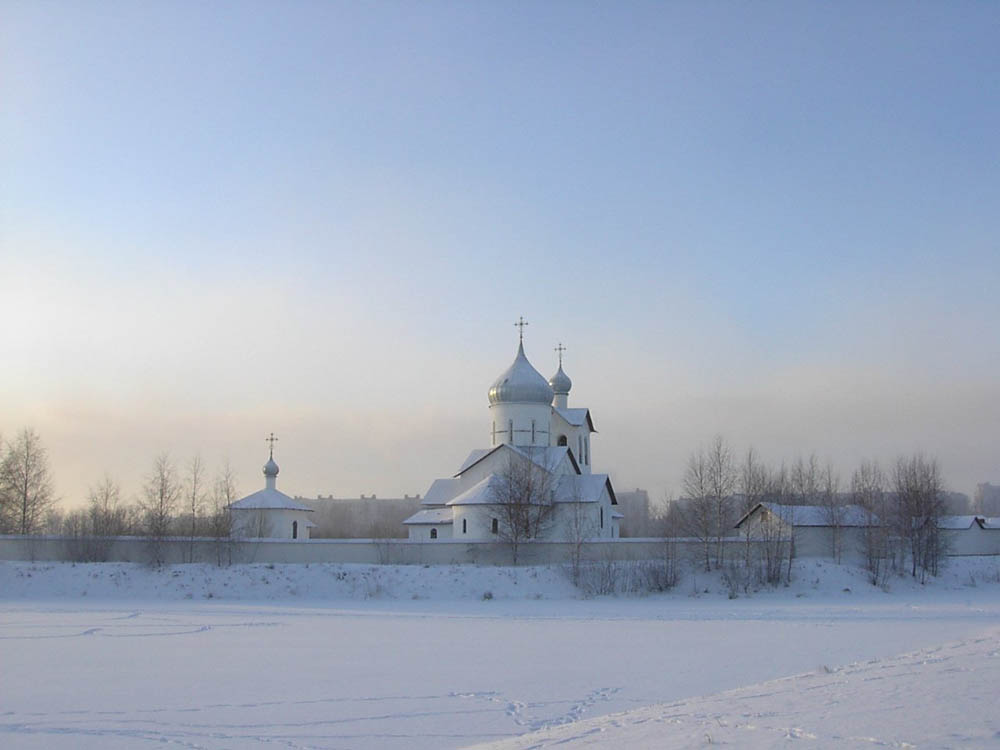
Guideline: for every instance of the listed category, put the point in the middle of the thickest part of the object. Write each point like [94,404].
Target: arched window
[434,533]
[562,440]
[510,431]
[495,526]
[465,525]
[295,529]
[602,518]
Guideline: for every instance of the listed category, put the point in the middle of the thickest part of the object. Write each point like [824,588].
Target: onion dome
[560,382]
[270,468]
[521,383]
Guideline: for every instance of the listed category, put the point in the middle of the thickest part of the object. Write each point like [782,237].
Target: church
[535,480]
[270,513]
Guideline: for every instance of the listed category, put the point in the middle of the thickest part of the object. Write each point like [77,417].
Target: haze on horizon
[775,222]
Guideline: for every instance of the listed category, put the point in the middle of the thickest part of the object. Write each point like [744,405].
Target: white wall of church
[425,532]
[530,423]
[270,523]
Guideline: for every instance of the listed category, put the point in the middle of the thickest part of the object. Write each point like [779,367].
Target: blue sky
[778,222]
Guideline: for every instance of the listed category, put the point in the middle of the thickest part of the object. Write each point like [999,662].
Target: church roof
[583,488]
[547,457]
[576,417]
[267,499]
[521,383]
[441,491]
[811,515]
[437,516]
[560,382]
[486,491]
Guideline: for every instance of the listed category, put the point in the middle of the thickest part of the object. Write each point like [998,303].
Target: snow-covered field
[338,656]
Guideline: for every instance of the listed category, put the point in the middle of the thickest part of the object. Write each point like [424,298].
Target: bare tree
[698,507]
[25,486]
[833,509]
[194,496]
[752,485]
[580,526]
[522,496]
[919,506]
[721,482]
[868,491]
[160,496]
[224,494]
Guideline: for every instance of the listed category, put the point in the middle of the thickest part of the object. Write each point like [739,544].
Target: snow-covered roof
[441,491]
[483,492]
[474,458]
[583,488]
[547,457]
[617,515]
[812,515]
[956,522]
[576,417]
[311,525]
[268,499]
[436,516]
[989,523]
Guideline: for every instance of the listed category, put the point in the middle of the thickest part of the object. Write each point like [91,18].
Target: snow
[267,499]
[815,515]
[361,656]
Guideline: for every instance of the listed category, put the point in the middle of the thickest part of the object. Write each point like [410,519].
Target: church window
[495,526]
[494,433]
[465,525]
[602,518]
[434,533]
[532,431]
[579,446]
[510,431]
[295,529]
[562,440]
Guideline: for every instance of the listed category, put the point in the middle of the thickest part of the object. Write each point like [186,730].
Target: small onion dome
[270,468]
[520,383]
[560,382]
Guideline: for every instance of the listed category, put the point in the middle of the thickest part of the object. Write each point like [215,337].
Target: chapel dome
[521,383]
[270,468]
[560,382]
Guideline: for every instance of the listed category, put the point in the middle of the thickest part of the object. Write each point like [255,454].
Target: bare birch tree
[194,498]
[25,485]
[160,496]
[522,496]
[698,507]
[868,491]
[833,509]
[722,483]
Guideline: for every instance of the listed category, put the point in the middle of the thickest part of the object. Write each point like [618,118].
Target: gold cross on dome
[521,323]
[272,440]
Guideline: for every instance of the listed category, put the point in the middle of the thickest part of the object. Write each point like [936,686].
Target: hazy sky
[774,221]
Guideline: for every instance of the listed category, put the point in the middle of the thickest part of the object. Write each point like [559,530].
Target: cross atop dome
[520,324]
[272,440]
[559,350]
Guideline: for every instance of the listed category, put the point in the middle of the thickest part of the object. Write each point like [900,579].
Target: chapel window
[434,533]
[562,440]
[465,526]
[495,526]
[295,529]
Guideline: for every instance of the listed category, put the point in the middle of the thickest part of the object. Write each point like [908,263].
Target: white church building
[270,513]
[536,475]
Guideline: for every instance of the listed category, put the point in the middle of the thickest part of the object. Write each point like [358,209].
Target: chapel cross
[521,323]
[560,349]
[272,440]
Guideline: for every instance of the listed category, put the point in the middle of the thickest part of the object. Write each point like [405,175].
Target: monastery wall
[370,551]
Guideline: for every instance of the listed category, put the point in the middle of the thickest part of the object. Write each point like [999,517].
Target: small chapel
[270,513]
[536,472]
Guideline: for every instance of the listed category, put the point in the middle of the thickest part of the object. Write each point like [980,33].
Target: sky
[775,222]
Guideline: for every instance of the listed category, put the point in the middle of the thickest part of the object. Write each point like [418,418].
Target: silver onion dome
[521,383]
[560,382]
[270,468]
